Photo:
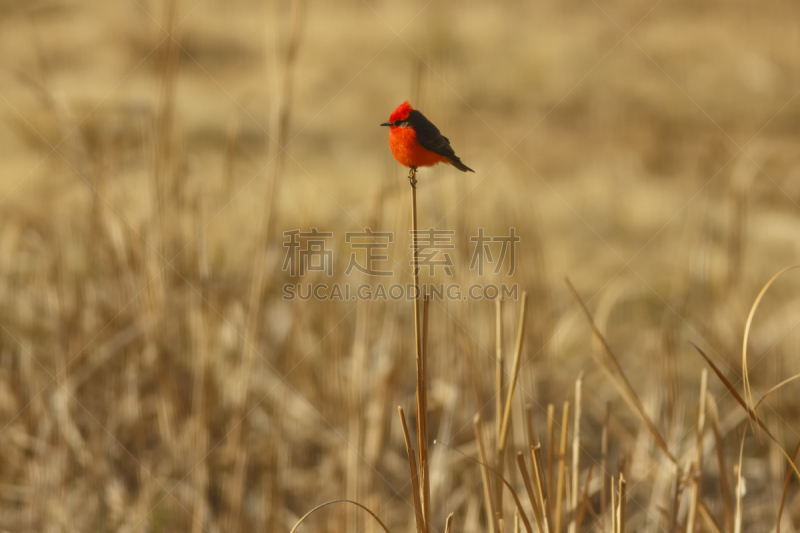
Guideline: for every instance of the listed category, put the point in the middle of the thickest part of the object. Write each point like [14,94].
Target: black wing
[432,139]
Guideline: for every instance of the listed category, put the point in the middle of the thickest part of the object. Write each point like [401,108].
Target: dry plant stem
[449,523]
[613,506]
[737,520]
[487,488]
[504,426]
[526,479]
[499,373]
[691,520]
[514,372]
[748,392]
[541,488]
[318,507]
[622,381]
[724,484]
[623,500]
[604,464]
[425,466]
[516,521]
[414,472]
[576,448]
[567,491]
[499,367]
[422,411]
[551,447]
[412,465]
[562,456]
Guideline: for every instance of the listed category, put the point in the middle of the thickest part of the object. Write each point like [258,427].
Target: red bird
[416,142]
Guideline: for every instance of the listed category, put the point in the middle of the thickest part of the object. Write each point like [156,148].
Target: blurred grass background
[151,376]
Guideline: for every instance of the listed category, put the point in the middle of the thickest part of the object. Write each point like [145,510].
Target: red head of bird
[401,112]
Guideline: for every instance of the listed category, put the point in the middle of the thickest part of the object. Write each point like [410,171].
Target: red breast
[408,151]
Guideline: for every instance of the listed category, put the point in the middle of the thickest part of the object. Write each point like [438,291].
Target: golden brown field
[154,378]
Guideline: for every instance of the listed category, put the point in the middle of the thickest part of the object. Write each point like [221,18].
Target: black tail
[456,162]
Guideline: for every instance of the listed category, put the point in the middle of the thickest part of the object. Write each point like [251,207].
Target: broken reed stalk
[421,394]
[412,464]
[621,381]
[562,456]
[691,521]
[576,448]
[499,373]
[541,487]
[535,505]
[488,497]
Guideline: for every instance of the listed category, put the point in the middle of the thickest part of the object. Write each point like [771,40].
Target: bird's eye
[403,124]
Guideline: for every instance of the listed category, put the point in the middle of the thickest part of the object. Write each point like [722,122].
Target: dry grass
[152,378]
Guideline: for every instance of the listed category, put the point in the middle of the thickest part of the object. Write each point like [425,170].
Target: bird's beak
[386,124]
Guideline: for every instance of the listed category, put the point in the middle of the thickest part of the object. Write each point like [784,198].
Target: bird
[416,142]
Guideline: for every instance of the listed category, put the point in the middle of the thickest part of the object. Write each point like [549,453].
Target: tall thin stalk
[576,447]
[421,396]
